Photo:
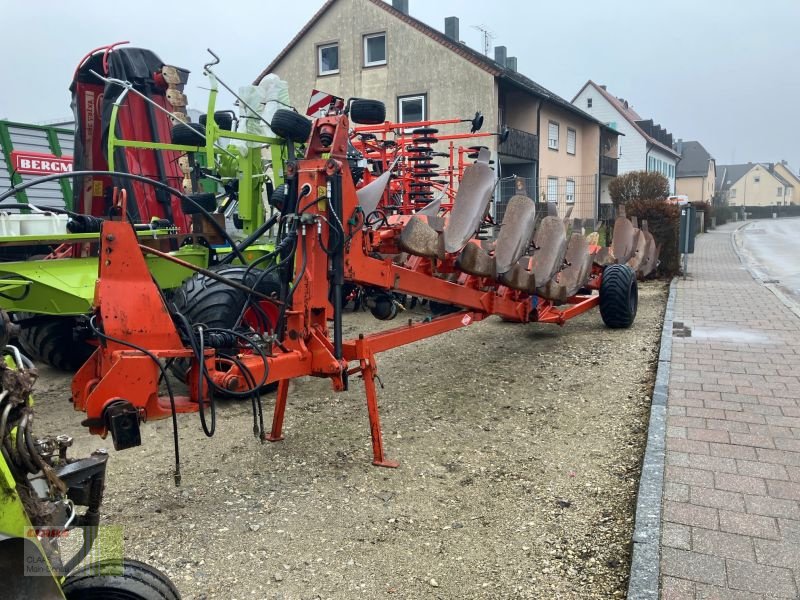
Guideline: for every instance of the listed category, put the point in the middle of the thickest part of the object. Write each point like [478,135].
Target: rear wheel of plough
[619,296]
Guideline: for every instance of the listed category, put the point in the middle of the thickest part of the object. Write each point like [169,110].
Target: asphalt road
[772,247]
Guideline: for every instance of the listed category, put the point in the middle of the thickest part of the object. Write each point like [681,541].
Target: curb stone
[645,572]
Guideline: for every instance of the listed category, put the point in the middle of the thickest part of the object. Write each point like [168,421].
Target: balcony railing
[609,166]
[520,144]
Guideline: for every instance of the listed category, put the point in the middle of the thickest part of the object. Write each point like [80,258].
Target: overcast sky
[723,72]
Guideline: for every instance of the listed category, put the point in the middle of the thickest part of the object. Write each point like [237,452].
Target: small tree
[638,185]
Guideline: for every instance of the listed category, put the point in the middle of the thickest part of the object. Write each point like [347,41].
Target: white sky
[723,72]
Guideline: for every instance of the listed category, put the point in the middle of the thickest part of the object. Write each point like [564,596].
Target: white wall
[632,145]
[668,159]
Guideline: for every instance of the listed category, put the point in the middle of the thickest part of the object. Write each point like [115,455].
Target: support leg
[276,435]
[368,371]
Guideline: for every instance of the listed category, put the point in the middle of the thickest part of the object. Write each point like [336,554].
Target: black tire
[290,125]
[367,112]
[104,581]
[619,296]
[204,300]
[187,134]
[278,198]
[54,341]
[223,118]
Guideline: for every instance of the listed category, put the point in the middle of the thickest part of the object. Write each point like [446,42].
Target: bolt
[110,237]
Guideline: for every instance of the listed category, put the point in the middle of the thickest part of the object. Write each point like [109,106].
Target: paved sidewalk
[731,517]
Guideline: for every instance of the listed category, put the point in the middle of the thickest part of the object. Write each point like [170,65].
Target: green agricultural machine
[52,546]
[193,190]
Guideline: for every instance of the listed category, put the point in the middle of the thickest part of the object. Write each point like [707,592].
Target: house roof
[626,110]
[694,160]
[792,177]
[727,175]
[496,69]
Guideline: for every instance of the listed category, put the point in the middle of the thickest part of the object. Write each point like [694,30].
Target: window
[552,189]
[328,59]
[570,191]
[733,193]
[374,49]
[756,179]
[780,192]
[552,135]
[588,103]
[571,141]
[411,108]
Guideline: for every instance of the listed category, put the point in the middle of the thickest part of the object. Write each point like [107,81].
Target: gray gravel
[520,449]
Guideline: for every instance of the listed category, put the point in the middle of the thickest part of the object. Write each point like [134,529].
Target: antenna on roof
[488,36]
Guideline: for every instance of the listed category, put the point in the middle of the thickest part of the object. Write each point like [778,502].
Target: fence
[576,192]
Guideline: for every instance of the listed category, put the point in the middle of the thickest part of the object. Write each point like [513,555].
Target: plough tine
[624,242]
[370,195]
[639,253]
[420,239]
[470,204]
[516,232]
[432,209]
[574,276]
[651,251]
[551,246]
[552,209]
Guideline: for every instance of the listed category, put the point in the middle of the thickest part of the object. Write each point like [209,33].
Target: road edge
[645,574]
[742,254]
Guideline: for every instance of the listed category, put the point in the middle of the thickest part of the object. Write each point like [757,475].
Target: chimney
[679,149]
[500,55]
[401,5]
[511,63]
[604,87]
[451,28]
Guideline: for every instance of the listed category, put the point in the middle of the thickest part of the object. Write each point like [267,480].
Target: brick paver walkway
[731,518]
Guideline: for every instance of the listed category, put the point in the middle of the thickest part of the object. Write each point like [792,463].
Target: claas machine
[329,239]
[47,498]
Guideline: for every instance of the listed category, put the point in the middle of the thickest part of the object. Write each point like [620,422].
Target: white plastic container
[9,224]
[43,223]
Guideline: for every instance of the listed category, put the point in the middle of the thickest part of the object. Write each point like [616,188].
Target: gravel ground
[520,450]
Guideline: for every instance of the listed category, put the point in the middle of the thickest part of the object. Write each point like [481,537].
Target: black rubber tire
[290,125]
[103,581]
[223,118]
[52,341]
[278,198]
[204,300]
[186,134]
[619,296]
[367,112]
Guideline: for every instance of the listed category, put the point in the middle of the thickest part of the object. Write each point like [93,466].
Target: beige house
[373,49]
[753,184]
[782,169]
[695,174]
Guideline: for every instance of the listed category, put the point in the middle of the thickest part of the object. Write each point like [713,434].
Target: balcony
[520,144]
[608,166]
